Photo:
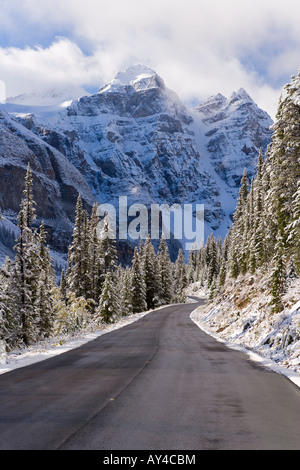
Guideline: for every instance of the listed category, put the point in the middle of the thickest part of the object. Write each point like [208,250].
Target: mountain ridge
[135,137]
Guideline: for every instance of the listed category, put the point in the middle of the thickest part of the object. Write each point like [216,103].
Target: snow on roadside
[241,318]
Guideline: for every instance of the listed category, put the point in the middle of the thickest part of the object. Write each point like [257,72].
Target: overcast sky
[199,47]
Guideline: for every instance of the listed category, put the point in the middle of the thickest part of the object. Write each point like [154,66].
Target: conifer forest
[95,289]
[265,233]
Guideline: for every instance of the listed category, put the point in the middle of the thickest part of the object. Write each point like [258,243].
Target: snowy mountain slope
[135,138]
[236,129]
[56,181]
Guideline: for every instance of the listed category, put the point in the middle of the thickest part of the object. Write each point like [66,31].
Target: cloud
[199,47]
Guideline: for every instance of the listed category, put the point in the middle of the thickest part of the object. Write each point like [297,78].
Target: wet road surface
[159,383]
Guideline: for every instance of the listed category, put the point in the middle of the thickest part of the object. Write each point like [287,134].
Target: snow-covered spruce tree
[75,270]
[283,166]
[126,299]
[291,270]
[139,303]
[149,261]
[293,230]
[258,223]
[108,249]
[9,322]
[32,277]
[86,257]
[108,307]
[238,234]
[26,267]
[278,276]
[63,286]
[165,270]
[180,277]
[213,266]
[91,255]
[192,271]
[45,284]
[224,260]
[96,261]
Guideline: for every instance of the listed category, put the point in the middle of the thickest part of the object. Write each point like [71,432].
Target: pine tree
[108,307]
[213,267]
[164,264]
[292,270]
[63,286]
[139,303]
[278,276]
[150,274]
[108,250]
[46,282]
[96,261]
[126,298]
[180,277]
[293,230]
[222,274]
[75,271]
[26,266]
[86,257]
[239,229]
[9,322]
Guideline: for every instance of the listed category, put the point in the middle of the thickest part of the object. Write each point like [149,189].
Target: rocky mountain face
[135,138]
[236,128]
[56,183]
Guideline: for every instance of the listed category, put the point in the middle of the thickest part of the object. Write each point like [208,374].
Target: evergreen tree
[293,230]
[239,230]
[9,321]
[164,264]
[86,257]
[150,274]
[139,303]
[213,267]
[96,261]
[108,306]
[126,299]
[278,277]
[75,271]
[26,266]
[63,286]
[108,250]
[180,277]
[46,282]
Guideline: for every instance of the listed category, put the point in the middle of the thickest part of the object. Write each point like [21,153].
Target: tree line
[265,234]
[94,289]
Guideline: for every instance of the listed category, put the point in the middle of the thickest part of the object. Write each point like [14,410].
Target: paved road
[159,383]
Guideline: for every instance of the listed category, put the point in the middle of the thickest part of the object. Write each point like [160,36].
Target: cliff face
[56,182]
[236,129]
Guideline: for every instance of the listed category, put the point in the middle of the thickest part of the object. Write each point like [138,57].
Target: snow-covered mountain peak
[139,77]
[213,103]
[241,94]
[135,138]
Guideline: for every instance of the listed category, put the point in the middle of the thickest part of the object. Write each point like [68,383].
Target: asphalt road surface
[159,383]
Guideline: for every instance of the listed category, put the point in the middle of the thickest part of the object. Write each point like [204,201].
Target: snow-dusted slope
[135,138]
[235,130]
[56,182]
